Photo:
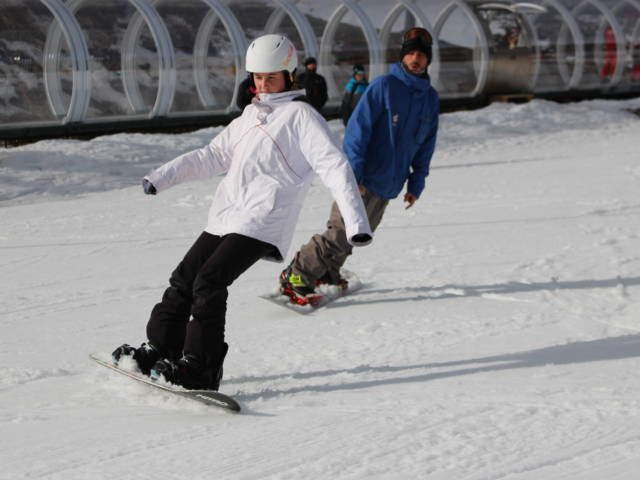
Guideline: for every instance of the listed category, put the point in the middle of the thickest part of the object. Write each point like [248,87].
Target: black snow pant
[190,319]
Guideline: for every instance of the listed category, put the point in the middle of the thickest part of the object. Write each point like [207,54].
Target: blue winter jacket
[355,86]
[391,134]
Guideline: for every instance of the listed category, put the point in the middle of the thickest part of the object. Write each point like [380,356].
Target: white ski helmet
[271,53]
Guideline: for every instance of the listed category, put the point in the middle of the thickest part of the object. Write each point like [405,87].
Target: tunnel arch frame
[66,25]
[483,72]
[371,36]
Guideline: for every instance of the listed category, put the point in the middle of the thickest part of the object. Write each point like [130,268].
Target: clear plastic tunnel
[38,87]
[113,61]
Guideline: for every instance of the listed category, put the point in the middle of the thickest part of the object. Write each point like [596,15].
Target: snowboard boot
[190,372]
[294,287]
[145,356]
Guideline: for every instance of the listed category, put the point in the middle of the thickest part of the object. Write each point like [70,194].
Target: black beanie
[416,43]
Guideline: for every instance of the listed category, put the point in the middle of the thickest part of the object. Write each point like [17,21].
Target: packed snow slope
[497,335]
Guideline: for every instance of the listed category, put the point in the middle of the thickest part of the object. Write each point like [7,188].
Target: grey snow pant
[324,254]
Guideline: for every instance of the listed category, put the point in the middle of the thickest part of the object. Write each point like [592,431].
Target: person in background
[270,155]
[313,83]
[352,92]
[389,140]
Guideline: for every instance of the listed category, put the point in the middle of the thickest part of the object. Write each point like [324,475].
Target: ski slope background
[497,335]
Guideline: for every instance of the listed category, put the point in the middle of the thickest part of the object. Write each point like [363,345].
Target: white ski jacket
[270,154]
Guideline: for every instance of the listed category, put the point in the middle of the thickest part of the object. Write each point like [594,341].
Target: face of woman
[272,82]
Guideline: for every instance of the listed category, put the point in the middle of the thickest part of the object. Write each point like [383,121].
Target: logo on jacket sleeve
[394,120]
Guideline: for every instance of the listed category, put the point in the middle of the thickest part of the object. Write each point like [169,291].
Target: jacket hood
[409,80]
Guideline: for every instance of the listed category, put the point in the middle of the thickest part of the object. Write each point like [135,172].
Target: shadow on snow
[615,348]
[458,291]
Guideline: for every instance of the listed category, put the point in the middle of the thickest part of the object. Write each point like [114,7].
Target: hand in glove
[148,187]
[361,239]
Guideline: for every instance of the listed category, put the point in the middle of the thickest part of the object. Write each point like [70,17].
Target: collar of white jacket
[266,102]
[276,98]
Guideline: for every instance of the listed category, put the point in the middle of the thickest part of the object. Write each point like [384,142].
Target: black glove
[148,187]
[361,238]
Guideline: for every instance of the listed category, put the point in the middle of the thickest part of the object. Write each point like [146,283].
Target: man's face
[416,61]
[359,76]
[272,82]
[312,66]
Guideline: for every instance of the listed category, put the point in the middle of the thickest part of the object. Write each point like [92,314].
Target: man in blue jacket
[389,140]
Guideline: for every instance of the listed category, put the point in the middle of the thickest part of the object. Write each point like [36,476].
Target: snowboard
[328,294]
[208,397]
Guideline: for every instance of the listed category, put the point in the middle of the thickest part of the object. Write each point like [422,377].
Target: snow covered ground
[497,335]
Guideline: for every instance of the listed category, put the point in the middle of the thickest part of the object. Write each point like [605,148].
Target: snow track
[497,335]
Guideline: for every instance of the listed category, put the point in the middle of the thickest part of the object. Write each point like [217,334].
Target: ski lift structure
[111,65]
